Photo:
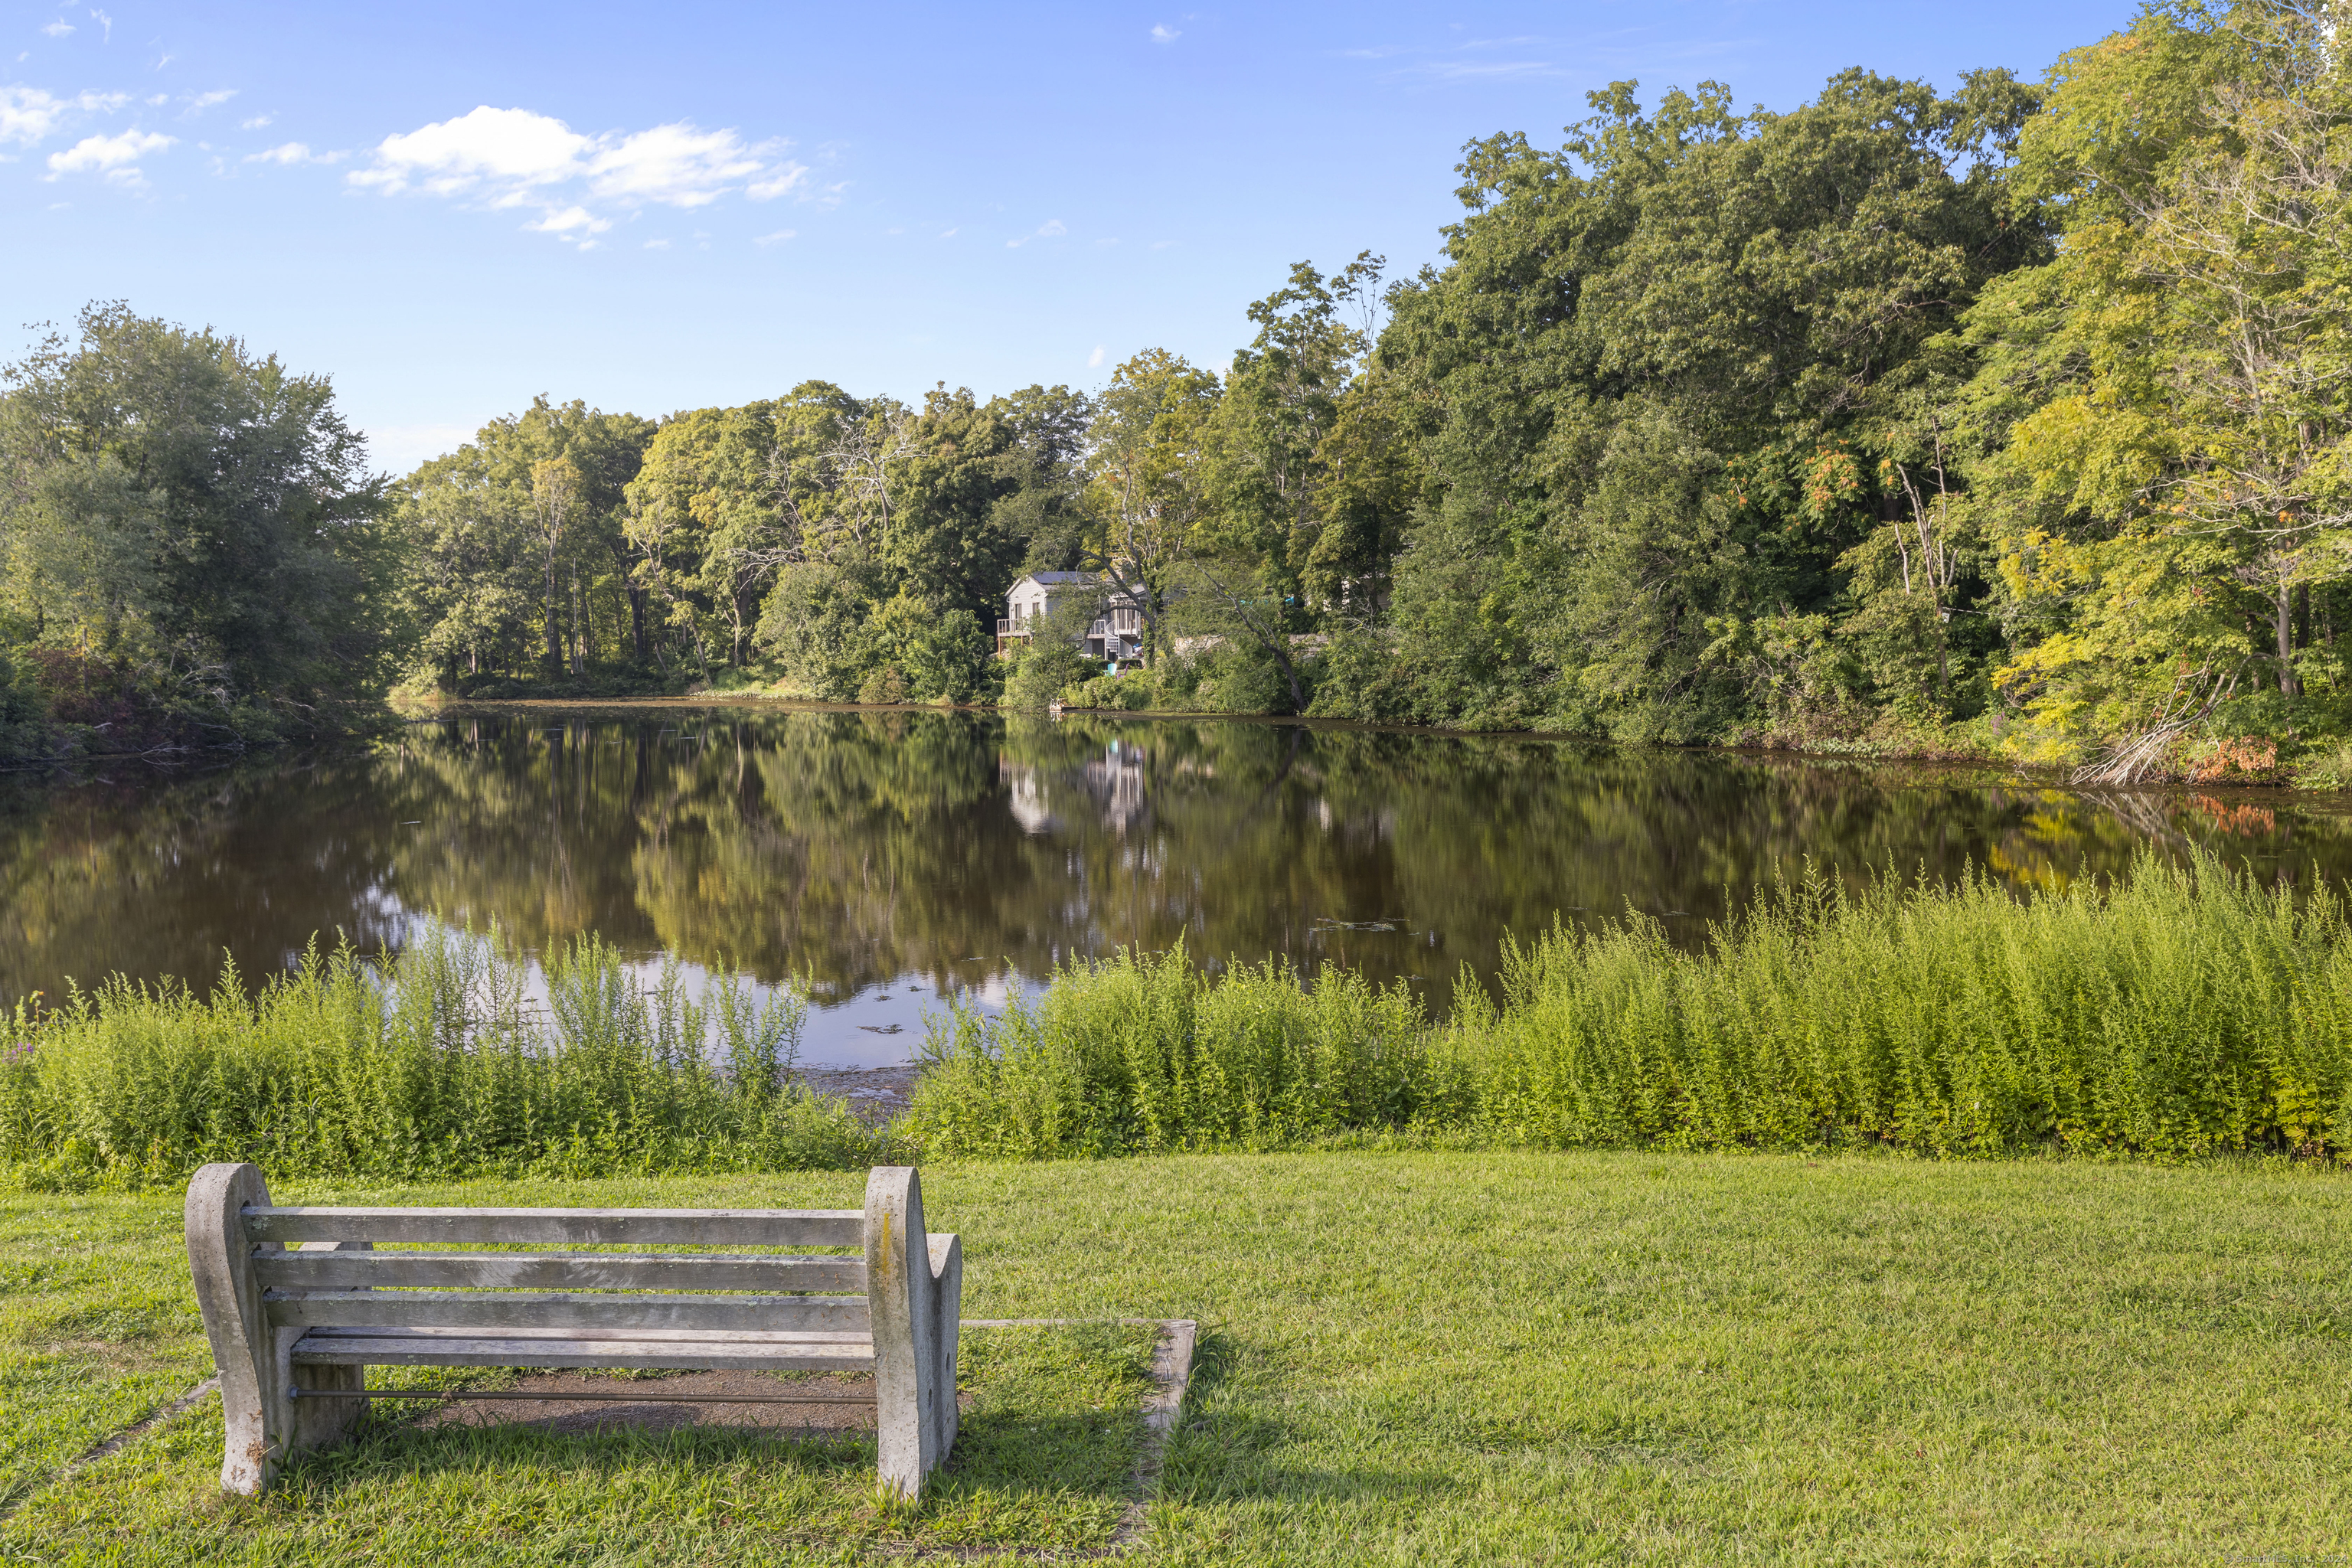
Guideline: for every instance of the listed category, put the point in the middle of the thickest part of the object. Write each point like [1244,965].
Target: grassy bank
[435,1062]
[2177,1014]
[1426,1358]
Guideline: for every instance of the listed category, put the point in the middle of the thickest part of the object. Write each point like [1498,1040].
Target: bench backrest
[357,1287]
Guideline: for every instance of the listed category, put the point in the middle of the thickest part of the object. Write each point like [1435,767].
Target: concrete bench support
[266,1424]
[914,1281]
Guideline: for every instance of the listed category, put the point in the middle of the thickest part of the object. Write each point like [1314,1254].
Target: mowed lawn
[1408,1358]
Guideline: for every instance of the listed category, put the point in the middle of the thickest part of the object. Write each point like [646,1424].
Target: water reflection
[894,856]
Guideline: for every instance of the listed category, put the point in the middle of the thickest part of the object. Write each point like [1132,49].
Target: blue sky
[449,208]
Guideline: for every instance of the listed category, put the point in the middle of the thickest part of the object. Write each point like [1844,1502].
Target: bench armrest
[914,1282]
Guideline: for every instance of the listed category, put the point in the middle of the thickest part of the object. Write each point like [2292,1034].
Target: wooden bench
[297,1305]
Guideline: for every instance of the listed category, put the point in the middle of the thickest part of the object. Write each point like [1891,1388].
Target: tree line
[2000,420]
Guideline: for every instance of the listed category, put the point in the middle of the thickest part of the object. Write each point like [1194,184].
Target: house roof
[1052,579]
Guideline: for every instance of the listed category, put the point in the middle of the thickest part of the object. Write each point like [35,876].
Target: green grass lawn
[1407,1358]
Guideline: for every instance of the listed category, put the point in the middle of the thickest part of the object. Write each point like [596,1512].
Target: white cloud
[1052,228]
[513,157]
[572,222]
[59,28]
[1094,359]
[116,157]
[1163,34]
[948,233]
[105,21]
[776,238]
[657,245]
[782,179]
[1162,244]
[28,115]
[680,166]
[503,151]
[257,122]
[205,101]
[292,153]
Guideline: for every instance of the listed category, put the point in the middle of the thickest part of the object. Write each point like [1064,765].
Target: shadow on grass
[1045,1460]
[390,1446]
[1087,1454]
[1220,1452]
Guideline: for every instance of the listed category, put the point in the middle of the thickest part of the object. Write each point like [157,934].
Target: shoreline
[1837,755]
[1979,771]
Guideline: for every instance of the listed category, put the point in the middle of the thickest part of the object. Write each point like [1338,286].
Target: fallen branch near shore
[2194,695]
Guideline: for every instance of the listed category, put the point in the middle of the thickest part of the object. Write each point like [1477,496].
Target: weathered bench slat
[556,1309]
[587,1227]
[813,1355]
[746,1336]
[557,1272]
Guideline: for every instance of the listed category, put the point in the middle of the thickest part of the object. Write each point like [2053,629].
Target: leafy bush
[429,1064]
[915,654]
[1240,675]
[1132,692]
[1230,678]
[2328,767]
[949,660]
[1363,678]
[886,683]
[1040,671]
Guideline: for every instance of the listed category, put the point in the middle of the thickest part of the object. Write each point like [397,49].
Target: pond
[895,857]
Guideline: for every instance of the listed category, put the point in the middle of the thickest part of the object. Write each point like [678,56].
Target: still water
[893,858]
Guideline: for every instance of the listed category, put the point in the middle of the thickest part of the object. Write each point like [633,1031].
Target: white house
[1117,634]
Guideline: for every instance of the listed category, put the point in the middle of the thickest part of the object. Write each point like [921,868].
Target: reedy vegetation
[432,1063]
[2003,420]
[2180,1012]
[2183,1012]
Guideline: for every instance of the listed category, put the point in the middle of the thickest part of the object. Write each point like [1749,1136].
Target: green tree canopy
[1654,380]
[197,519]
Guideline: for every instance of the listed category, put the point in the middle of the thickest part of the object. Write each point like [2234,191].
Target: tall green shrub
[2184,1011]
[1148,1053]
[435,1063]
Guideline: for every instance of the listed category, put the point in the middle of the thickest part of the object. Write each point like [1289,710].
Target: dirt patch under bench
[694,1399]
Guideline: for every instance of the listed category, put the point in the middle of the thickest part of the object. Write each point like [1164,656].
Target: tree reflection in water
[962,850]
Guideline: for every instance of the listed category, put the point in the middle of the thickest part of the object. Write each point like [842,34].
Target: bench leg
[947,1318]
[266,1425]
[914,1293]
[322,1423]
